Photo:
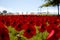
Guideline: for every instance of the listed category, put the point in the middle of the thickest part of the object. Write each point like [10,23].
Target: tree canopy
[51,3]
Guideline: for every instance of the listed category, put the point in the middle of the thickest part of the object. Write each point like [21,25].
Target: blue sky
[24,6]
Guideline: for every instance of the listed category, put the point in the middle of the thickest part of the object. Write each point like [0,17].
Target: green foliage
[39,35]
[12,33]
[50,3]
[46,4]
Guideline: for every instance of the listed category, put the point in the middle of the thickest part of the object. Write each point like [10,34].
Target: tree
[4,11]
[52,3]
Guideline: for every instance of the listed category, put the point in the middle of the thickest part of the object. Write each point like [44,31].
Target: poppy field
[29,27]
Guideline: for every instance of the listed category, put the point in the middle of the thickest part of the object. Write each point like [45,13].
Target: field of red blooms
[29,27]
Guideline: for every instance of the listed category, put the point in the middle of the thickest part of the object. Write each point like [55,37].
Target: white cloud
[52,11]
[8,9]
[35,11]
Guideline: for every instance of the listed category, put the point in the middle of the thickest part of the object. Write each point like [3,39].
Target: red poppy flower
[30,32]
[13,21]
[51,27]
[4,34]
[51,34]
[7,20]
[20,26]
[30,19]
[25,19]
[53,31]
[3,19]
[38,21]
[42,28]
[53,38]
[58,34]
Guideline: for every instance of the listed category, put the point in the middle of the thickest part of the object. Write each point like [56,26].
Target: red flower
[51,27]
[42,28]
[3,19]
[54,31]
[30,19]
[30,32]
[20,26]
[7,20]
[58,34]
[13,21]
[51,34]
[4,35]
[53,38]
[38,21]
